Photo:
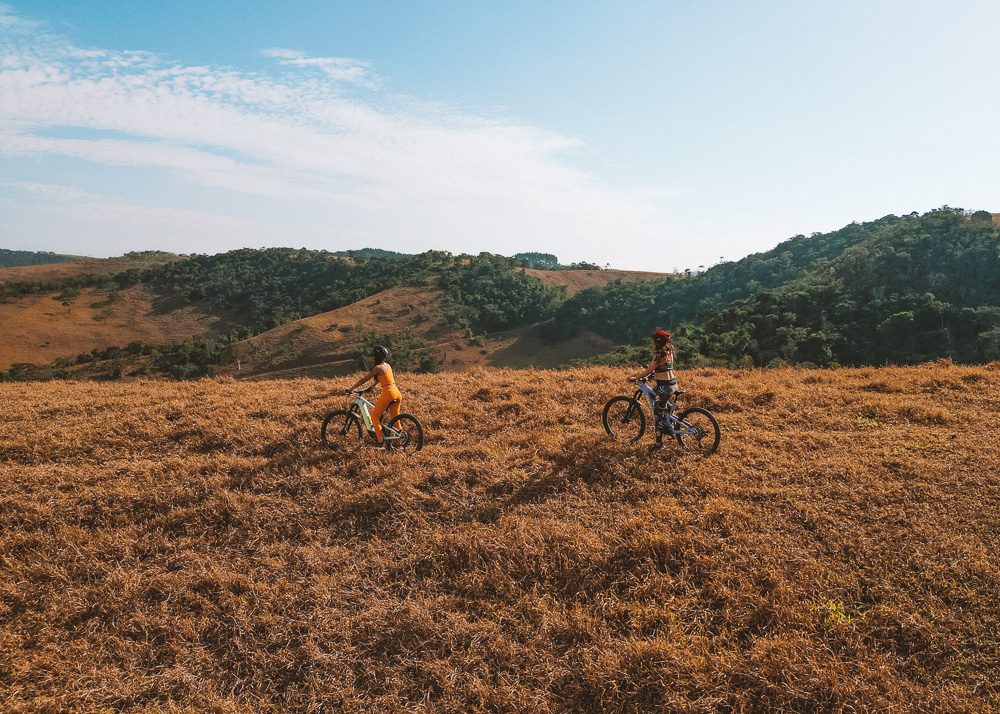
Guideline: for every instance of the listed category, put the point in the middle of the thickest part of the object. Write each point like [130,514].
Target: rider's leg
[390,399]
[380,406]
[662,407]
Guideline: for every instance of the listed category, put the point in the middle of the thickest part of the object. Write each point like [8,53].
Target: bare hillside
[577,280]
[40,328]
[323,345]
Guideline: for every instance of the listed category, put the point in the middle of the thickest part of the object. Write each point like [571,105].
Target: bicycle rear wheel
[707,434]
[408,436]
[624,419]
[339,424]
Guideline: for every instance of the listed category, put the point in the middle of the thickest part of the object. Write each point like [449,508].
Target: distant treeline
[547,261]
[370,253]
[16,258]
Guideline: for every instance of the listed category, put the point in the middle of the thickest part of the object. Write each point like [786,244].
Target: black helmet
[379,354]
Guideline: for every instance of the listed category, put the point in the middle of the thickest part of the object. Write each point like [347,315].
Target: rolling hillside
[899,290]
[40,328]
[192,547]
[324,345]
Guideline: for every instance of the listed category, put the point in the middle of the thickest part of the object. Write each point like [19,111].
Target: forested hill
[260,289]
[623,312]
[18,258]
[898,290]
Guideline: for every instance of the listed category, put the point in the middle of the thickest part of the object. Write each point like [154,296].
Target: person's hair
[662,346]
[666,350]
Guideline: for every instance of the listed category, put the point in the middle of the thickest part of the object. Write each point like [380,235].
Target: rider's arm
[648,371]
[370,375]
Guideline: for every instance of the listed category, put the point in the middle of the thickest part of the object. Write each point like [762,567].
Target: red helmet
[661,336]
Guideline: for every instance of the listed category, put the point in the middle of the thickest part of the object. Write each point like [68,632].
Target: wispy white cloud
[381,165]
[53,191]
[340,69]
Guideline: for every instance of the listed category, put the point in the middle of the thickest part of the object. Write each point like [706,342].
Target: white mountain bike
[402,434]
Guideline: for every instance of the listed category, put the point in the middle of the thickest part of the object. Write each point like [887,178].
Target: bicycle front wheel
[405,434]
[339,424]
[707,434]
[624,419]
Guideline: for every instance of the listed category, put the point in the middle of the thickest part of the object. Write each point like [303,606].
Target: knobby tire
[708,435]
[340,424]
[412,433]
[624,419]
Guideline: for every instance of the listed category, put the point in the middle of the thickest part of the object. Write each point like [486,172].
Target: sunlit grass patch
[865,421]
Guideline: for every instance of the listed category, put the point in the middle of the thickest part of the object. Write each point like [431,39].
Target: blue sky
[644,135]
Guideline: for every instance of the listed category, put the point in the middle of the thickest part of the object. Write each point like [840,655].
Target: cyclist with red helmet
[390,398]
[662,366]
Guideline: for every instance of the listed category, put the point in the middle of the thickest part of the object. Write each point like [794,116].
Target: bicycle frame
[365,407]
[674,425]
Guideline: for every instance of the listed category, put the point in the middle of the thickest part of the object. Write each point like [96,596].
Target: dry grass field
[192,547]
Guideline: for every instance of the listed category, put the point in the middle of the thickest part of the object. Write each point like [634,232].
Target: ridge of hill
[193,547]
[10,258]
[75,267]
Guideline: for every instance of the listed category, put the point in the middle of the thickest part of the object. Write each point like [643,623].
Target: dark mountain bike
[695,429]
[402,434]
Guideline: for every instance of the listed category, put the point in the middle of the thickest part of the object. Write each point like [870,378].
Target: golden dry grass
[192,547]
[38,329]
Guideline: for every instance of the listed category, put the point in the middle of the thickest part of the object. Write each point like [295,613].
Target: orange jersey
[386,379]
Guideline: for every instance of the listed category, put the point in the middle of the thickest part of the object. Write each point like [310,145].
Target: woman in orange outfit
[390,398]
